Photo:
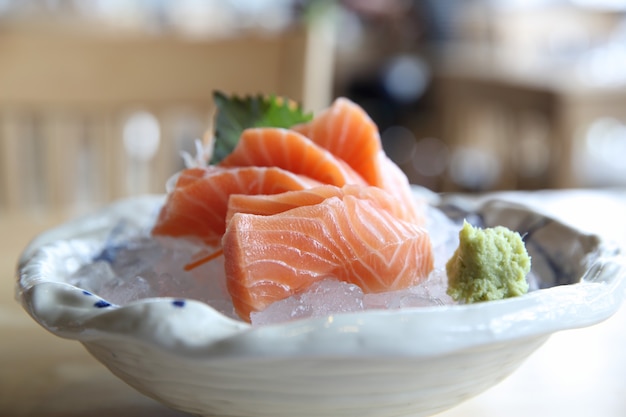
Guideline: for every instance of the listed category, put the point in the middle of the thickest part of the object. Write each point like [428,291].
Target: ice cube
[99,278]
[431,292]
[323,298]
[134,266]
[135,257]
[444,235]
[332,296]
[93,276]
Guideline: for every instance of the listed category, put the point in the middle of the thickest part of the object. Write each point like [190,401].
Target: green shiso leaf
[235,114]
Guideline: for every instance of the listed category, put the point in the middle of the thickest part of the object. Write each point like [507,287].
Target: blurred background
[98,97]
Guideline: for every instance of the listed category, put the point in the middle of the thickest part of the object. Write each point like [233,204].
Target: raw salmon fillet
[288,149]
[266,205]
[397,184]
[349,133]
[269,258]
[346,131]
[197,206]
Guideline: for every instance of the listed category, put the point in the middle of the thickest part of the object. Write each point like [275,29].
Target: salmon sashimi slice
[266,205]
[270,258]
[196,208]
[396,183]
[346,130]
[292,151]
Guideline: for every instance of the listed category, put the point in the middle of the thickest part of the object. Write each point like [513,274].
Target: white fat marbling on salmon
[271,257]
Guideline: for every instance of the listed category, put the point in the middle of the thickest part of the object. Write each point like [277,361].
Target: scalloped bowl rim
[199,331]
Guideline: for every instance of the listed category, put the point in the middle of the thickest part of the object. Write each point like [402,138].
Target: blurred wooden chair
[88,117]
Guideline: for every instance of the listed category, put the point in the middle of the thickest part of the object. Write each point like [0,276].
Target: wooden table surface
[576,373]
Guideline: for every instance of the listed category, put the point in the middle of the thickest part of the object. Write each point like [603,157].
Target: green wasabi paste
[489,264]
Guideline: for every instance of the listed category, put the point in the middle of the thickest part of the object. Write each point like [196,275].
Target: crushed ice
[134,265]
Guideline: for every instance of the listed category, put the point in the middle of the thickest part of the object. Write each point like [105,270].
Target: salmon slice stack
[269,258]
[198,204]
[289,207]
[287,149]
[346,131]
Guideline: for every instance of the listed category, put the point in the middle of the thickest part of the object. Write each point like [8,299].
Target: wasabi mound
[489,264]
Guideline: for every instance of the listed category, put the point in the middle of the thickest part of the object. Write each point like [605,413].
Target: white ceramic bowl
[416,362]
